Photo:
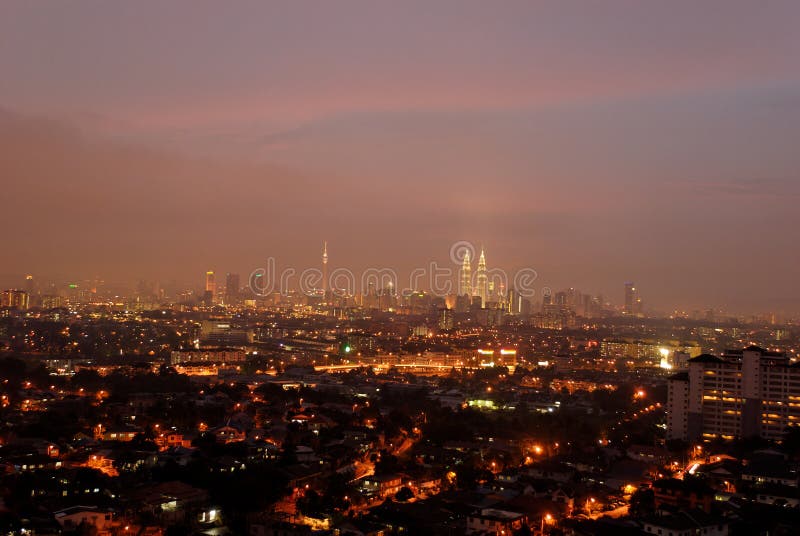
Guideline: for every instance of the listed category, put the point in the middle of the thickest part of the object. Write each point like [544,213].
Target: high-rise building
[231,288]
[446,319]
[466,276]
[516,304]
[211,288]
[482,280]
[51,301]
[387,297]
[633,301]
[463,303]
[743,393]
[547,297]
[222,333]
[15,299]
[211,285]
[30,288]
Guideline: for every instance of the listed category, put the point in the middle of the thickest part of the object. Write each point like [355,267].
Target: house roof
[79,509]
[175,490]
[685,520]
[498,515]
[706,358]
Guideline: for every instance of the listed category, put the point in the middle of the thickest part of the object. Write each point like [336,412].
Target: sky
[594,142]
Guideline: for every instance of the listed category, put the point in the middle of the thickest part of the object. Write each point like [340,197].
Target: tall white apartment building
[743,393]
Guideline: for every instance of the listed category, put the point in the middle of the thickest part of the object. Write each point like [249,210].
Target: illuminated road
[363,469]
[384,367]
[617,512]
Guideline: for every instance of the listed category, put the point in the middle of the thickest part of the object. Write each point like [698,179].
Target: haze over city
[360,268]
[595,143]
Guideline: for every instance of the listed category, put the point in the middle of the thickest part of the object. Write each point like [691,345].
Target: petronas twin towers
[482,284]
[480,290]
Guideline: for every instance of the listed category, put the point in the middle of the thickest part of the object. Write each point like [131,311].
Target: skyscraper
[15,299]
[30,289]
[466,276]
[633,301]
[516,304]
[211,288]
[483,285]
[231,288]
[446,319]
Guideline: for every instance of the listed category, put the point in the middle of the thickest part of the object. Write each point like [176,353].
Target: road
[617,512]
[363,469]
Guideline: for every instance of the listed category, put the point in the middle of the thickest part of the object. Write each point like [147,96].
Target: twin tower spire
[481,289]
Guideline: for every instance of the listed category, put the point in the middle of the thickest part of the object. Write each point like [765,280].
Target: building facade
[743,393]
[15,299]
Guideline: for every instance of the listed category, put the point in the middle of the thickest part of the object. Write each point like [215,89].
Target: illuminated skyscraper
[446,319]
[516,304]
[466,276]
[211,285]
[211,288]
[15,299]
[482,281]
[30,289]
[633,301]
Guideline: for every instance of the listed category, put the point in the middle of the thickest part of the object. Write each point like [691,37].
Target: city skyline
[463,268]
[427,277]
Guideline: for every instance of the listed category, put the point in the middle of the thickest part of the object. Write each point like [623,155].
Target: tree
[288,453]
[642,502]
[12,369]
[86,529]
[467,474]
[791,441]
[87,379]
[388,463]
[143,441]
[405,494]
[524,530]
[178,530]
[205,441]
[309,503]
[337,486]
[9,523]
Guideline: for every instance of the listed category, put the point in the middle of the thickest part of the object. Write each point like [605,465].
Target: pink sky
[596,141]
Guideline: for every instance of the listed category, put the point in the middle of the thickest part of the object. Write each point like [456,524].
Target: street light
[546,518]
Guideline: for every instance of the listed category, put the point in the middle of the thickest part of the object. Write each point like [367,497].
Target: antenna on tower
[324,268]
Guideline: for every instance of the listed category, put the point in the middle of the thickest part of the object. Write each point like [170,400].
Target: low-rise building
[493,522]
